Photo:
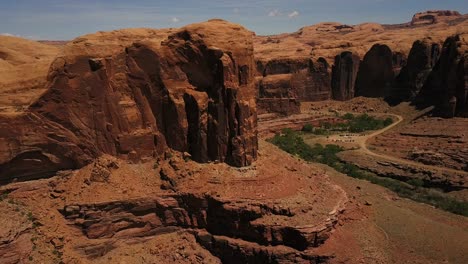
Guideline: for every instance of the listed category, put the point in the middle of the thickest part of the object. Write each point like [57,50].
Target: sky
[67,19]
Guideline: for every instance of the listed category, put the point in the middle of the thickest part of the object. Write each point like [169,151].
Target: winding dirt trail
[362,141]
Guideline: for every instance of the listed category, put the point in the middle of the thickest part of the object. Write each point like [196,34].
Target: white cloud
[293,14]
[274,13]
[175,20]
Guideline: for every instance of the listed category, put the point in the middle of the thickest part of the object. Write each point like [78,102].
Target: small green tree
[388,121]
[308,128]
[348,116]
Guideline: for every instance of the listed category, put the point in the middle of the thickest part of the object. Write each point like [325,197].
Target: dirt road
[362,142]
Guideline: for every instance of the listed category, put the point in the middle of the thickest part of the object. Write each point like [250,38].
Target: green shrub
[416,182]
[348,116]
[352,123]
[388,121]
[308,128]
[326,125]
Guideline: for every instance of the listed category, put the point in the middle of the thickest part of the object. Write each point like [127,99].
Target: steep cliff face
[423,56]
[344,75]
[134,94]
[282,106]
[376,72]
[447,85]
[303,78]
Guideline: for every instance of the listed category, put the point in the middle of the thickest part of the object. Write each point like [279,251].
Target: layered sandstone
[278,210]
[283,83]
[307,79]
[136,93]
[282,106]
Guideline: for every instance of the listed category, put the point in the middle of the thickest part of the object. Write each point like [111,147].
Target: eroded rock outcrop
[133,94]
[329,39]
[376,72]
[282,106]
[302,78]
[283,83]
[433,16]
[447,85]
[423,56]
[146,217]
[344,75]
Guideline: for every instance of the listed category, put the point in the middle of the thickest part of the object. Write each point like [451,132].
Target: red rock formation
[447,85]
[282,106]
[133,94]
[329,39]
[376,72]
[422,58]
[433,16]
[344,75]
[283,83]
[301,78]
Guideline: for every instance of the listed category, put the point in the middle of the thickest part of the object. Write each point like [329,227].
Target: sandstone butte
[135,93]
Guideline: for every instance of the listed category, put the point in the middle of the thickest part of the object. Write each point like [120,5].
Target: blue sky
[67,19]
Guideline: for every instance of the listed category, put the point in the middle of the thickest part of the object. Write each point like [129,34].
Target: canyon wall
[423,56]
[447,84]
[135,94]
[396,59]
[344,76]
[430,75]
[283,83]
[375,72]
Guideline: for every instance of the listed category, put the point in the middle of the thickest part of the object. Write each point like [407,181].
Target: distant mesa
[433,16]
